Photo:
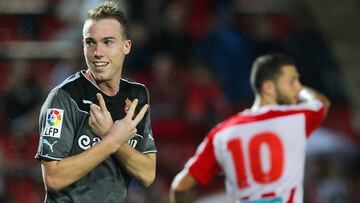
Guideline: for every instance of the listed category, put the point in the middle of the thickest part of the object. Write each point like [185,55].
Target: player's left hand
[100,120]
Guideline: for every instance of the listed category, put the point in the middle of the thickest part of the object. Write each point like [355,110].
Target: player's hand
[100,120]
[125,129]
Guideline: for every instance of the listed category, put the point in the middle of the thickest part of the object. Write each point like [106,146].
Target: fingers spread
[132,108]
[101,102]
[92,119]
[94,108]
[95,112]
[141,114]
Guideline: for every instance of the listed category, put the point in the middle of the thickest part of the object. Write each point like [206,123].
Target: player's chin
[289,101]
[100,77]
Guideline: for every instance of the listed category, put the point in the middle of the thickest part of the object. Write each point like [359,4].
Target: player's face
[288,86]
[105,48]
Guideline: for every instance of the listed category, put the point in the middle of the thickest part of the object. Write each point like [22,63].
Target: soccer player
[261,150]
[95,129]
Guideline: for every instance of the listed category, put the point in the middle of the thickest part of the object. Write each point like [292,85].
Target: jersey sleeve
[203,166]
[314,115]
[56,126]
[146,143]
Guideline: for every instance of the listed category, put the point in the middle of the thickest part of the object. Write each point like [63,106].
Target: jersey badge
[54,120]
[127,105]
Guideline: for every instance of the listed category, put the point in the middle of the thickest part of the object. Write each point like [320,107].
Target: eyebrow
[105,38]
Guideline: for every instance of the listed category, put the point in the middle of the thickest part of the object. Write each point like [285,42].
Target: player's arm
[181,185]
[201,168]
[59,174]
[140,161]
[307,94]
[140,166]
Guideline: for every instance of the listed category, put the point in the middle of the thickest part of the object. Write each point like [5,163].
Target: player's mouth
[100,65]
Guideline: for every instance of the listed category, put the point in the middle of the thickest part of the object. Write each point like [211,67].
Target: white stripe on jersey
[313,105]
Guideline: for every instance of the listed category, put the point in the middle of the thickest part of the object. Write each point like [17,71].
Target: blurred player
[85,156]
[261,150]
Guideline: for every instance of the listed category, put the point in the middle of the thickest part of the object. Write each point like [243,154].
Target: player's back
[262,152]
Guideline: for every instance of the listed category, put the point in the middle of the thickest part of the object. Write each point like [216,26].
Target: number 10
[276,157]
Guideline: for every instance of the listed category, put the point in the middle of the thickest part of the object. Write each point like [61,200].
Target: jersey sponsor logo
[54,120]
[127,105]
[46,142]
[85,142]
[133,142]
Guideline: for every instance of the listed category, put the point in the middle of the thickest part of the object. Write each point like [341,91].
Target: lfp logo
[54,119]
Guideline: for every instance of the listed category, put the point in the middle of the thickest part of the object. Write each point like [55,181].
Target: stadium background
[195,57]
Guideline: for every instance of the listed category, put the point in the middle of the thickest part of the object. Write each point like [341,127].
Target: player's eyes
[89,43]
[108,42]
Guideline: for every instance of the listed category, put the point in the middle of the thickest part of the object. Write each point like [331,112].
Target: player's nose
[98,52]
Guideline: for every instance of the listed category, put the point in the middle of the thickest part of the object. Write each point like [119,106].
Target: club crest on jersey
[127,105]
[54,120]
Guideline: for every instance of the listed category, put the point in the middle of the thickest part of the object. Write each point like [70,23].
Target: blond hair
[109,9]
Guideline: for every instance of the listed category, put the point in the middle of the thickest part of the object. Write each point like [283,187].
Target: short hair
[110,9]
[268,67]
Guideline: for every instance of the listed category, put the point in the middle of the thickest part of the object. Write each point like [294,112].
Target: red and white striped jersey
[261,152]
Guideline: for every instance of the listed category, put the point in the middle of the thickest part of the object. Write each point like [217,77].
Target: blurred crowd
[195,57]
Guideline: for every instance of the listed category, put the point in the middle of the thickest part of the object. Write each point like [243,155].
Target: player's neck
[262,100]
[109,88]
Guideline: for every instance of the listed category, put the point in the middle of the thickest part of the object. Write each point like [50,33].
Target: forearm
[140,166]
[180,187]
[60,174]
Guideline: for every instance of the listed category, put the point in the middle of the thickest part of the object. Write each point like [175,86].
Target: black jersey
[64,131]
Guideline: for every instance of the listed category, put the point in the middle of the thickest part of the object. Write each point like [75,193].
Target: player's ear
[268,87]
[127,46]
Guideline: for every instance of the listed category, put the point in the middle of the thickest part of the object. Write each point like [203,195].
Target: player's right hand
[125,129]
[100,120]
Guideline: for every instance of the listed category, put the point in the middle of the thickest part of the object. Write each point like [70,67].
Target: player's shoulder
[265,113]
[227,123]
[77,85]
[126,82]
[73,82]
[135,87]
[279,110]
[69,83]
[74,87]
